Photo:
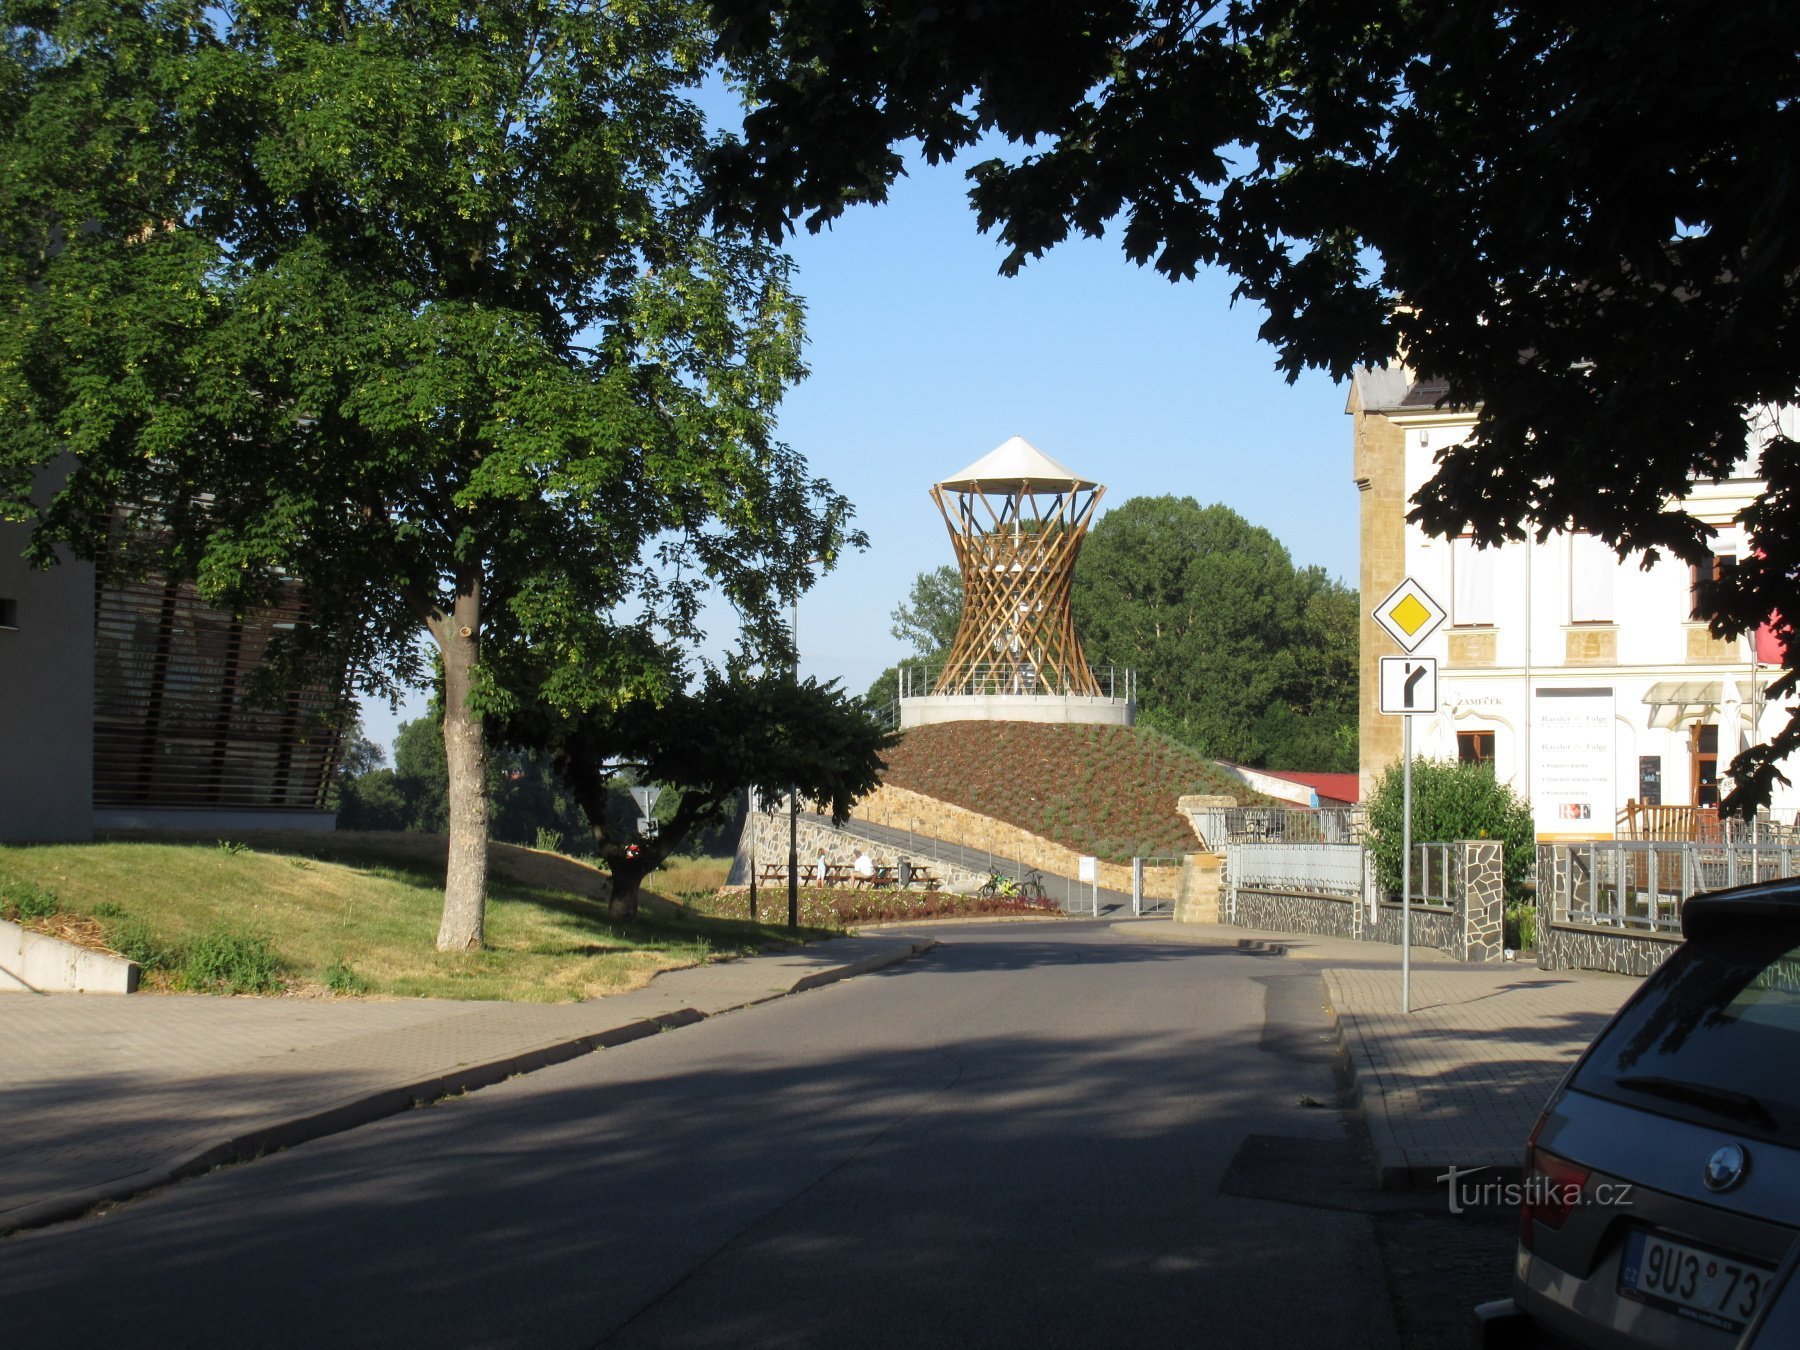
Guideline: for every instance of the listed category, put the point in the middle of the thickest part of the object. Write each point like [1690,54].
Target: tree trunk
[623,906]
[465,752]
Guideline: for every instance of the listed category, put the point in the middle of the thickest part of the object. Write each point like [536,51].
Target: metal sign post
[1407,689]
[1406,864]
[645,796]
[1088,870]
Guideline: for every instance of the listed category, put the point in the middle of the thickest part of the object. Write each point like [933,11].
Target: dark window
[1699,580]
[9,613]
[1650,780]
[1706,766]
[1475,747]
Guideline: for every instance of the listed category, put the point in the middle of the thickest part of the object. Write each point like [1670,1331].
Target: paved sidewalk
[1459,1080]
[104,1097]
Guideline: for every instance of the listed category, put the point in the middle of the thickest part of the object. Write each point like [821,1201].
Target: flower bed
[837,908]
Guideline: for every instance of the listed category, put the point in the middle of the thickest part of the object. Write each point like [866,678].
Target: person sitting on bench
[864,866]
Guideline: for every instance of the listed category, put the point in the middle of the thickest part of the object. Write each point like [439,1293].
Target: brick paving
[106,1096]
[1461,1079]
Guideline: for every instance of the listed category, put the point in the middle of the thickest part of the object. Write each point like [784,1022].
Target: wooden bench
[1675,821]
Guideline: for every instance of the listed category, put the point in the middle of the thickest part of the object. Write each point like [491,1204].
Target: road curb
[1392,1171]
[363,1108]
[1394,1167]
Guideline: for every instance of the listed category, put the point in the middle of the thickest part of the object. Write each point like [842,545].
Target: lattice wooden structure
[1016,519]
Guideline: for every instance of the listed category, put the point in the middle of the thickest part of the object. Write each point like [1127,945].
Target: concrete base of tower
[933,708]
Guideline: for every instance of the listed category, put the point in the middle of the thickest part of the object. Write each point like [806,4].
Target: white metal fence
[1642,884]
[1009,677]
[1280,824]
[1434,874]
[1325,869]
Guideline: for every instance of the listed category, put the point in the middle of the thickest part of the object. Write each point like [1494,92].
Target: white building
[1584,680]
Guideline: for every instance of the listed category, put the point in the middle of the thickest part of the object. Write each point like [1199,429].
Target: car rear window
[1715,1036]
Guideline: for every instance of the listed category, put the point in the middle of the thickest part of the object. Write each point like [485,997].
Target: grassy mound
[1108,791]
[309,913]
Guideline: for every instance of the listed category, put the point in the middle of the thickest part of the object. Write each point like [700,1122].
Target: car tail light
[1552,1189]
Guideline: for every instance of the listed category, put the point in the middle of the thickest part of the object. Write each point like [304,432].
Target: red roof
[1339,787]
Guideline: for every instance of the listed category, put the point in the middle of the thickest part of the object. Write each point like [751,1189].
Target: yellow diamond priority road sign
[1410,615]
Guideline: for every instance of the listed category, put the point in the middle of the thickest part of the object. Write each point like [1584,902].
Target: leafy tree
[1324,742]
[929,616]
[713,741]
[927,619]
[1451,801]
[527,802]
[410,303]
[1579,223]
[1221,629]
[357,754]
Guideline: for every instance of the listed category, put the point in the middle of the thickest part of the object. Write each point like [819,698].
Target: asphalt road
[1021,1139]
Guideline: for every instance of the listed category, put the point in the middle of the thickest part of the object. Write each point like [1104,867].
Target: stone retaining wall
[1320,915]
[838,846]
[1440,929]
[1202,877]
[1470,928]
[1562,945]
[900,809]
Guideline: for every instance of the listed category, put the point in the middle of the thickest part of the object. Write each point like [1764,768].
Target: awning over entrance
[1673,702]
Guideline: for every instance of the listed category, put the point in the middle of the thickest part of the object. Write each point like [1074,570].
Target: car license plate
[1708,1287]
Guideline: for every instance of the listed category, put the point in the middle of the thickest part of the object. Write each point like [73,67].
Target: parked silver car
[1662,1182]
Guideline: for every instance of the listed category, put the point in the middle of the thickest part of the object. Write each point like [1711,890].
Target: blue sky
[924,358]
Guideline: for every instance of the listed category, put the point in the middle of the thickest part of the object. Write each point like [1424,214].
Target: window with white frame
[1473,578]
[1592,565]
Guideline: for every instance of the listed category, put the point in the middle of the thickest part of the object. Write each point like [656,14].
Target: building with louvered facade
[128,706]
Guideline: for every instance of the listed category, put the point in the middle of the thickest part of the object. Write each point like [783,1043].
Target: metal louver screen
[171,725]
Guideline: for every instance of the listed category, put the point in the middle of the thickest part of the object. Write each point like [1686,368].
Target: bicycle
[998,886]
[1030,889]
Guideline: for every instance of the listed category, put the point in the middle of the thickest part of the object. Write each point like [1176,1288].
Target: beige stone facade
[899,809]
[1379,458]
[1590,646]
[1578,676]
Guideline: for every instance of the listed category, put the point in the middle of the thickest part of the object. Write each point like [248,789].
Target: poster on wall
[1572,766]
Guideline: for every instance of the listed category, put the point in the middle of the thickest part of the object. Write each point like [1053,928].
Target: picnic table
[845,874]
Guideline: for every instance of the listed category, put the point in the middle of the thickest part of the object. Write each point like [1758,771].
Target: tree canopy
[929,616]
[1238,653]
[1451,801]
[927,621]
[1579,220]
[410,302]
[728,732]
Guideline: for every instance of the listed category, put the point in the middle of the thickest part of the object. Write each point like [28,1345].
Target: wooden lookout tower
[1016,519]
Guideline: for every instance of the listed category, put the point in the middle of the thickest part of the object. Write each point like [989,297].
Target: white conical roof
[1018,465]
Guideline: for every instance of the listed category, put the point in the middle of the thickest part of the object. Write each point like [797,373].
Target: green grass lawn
[358,913]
